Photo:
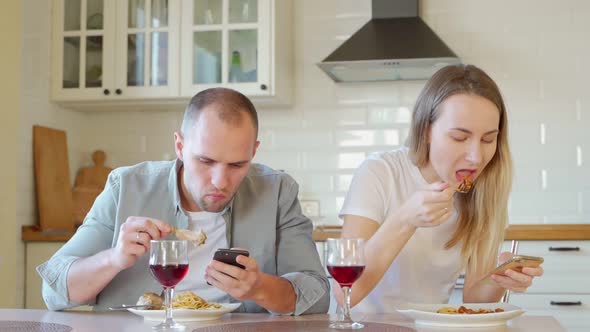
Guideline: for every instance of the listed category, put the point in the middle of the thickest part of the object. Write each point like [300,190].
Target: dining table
[33,320]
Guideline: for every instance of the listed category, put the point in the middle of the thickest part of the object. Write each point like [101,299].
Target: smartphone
[228,256]
[516,263]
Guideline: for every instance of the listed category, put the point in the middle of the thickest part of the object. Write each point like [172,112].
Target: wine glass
[169,265]
[346,263]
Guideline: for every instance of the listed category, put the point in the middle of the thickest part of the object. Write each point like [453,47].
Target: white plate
[188,315]
[425,314]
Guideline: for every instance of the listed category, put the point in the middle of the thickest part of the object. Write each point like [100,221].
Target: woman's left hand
[513,280]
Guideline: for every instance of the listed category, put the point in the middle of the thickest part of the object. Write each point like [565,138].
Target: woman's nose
[474,154]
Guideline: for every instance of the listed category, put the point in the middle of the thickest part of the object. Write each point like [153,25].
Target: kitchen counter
[321,233]
[513,232]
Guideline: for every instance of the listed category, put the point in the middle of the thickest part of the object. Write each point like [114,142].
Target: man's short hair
[230,105]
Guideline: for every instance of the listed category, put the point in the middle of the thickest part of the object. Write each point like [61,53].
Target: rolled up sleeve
[55,287]
[312,294]
[297,258]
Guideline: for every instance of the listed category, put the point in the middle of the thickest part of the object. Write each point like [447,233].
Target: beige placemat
[292,326]
[29,326]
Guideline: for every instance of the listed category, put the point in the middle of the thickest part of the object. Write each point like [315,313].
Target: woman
[420,233]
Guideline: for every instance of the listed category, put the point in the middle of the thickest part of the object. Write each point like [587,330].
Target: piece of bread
[151,298]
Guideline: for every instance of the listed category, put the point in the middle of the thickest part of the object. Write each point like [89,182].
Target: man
[213,186]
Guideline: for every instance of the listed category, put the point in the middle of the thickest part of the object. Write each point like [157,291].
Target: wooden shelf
[513,232]
[34,234]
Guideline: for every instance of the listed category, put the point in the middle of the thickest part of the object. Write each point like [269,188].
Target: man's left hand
[241,284]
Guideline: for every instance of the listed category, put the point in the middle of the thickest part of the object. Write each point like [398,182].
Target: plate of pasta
[186,307]
[461,315]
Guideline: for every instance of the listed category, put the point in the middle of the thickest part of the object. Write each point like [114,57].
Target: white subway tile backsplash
[548,204]
[342,182]
[355,138]
[332,160]
[285,160]
[313,182]
[337,116]
[266,138]
[302,139]
[273,119]
[389,115]
[391,137]
[156,145]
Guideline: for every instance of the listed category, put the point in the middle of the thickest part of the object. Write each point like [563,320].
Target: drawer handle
[566,303]
[564,248]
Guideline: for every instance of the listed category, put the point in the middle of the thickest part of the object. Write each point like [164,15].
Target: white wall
[535,50]
[10,267]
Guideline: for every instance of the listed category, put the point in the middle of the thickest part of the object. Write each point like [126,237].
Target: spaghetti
[189,300]
[465,310]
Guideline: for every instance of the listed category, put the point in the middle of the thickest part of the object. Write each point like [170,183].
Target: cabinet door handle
[564,248]
[118,91]
[106,92]
[566,302]
[263,87]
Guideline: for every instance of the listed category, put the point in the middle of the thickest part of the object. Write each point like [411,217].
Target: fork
[464,186]
[127,306]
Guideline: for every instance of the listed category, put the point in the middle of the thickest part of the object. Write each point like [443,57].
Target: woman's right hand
[428,207]
[134,240]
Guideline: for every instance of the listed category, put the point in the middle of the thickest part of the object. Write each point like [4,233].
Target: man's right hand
[430,206]
[134,240]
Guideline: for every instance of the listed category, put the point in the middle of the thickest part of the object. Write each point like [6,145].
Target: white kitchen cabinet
[127,54]
[83,49]
[244,45]
[563,291]
[108,50]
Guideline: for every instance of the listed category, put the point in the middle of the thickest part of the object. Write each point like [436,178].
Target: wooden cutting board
[52,179]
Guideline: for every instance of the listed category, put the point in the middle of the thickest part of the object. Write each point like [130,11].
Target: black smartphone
[228,256]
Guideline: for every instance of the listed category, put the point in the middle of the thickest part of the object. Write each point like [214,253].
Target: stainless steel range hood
[394,45]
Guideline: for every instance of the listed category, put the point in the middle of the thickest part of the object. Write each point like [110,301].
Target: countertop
[513,232]
[128,322]
[321,233]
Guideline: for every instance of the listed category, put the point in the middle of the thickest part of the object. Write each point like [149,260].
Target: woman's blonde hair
[483,212]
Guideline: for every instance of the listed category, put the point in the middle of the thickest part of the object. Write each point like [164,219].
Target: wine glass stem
[346,308]
[168,295]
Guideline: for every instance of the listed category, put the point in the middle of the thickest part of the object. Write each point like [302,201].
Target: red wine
[169,275]
[346,275]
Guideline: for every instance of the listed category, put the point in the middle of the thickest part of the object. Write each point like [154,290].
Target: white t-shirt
[424,271]
[213,225]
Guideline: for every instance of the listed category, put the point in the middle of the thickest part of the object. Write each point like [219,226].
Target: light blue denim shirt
[264,217]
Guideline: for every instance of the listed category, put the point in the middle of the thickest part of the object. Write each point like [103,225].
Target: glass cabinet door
[243,60]
[227,43]
[243,42]
[81,54]
[207,18]
[147,47]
